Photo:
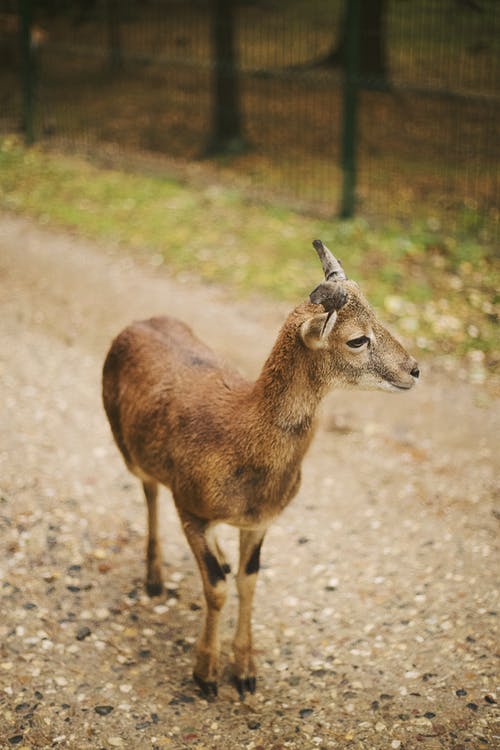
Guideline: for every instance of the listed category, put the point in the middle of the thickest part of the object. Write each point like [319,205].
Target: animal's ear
[315,331]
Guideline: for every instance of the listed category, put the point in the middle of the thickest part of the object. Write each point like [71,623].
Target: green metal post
[27,71]
[350,108]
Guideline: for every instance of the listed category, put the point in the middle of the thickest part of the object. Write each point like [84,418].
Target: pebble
[421,721]
[103,710]
[83,633]
[115,741]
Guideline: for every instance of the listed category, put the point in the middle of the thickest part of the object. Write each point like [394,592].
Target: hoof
[154,589]
[245,685]
[209,689]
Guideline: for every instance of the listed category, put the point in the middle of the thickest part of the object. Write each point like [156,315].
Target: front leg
[244,666]
[206,552]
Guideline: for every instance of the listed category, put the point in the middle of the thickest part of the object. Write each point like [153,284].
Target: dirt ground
[376,616]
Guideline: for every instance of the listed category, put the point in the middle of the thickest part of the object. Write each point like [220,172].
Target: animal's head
[353,348]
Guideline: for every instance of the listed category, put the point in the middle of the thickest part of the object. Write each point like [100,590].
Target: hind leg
[154,583]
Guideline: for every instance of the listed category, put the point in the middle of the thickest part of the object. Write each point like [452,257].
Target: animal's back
[157,376]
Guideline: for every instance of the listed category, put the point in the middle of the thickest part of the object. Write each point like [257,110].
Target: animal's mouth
[401,386]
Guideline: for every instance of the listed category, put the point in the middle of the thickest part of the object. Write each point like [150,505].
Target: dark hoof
[208,689]
[226,568]
[154,589]
[246,685]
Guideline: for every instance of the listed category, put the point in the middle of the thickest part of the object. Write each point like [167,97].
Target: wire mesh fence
[153,78]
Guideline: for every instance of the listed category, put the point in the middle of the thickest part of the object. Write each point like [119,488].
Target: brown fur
[231,450]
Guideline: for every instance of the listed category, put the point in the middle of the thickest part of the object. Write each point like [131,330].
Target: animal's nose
[415,372]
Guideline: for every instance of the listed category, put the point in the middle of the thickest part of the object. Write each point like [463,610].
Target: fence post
[349,108]
[226,136]
[115,52]
[27,71]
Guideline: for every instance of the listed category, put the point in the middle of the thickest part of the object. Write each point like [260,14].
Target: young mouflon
[231,450]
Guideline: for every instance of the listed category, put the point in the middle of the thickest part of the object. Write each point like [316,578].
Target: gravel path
[377,610]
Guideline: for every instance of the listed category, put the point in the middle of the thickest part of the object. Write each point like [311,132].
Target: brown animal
[231,450]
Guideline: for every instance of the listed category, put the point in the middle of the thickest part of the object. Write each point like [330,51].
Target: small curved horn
[331,266]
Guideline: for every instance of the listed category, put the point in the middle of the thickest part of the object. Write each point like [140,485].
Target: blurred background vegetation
[204,122]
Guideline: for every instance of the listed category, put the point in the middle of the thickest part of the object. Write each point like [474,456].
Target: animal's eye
[357,343]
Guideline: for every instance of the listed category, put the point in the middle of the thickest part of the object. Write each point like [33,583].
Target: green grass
[438,289]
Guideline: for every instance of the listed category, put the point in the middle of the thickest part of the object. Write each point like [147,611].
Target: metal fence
[390,107]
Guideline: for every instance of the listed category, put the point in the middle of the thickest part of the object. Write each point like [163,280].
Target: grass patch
[438,289]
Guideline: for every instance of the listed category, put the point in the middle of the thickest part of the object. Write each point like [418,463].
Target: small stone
[16,739]
[252,724]
[461,692]
[380,726]
[395,744]
[103,710]
[472,706]
[490,698]
[83,633]
[305,712]
[421,721]
[429,715]
[115,741]
[160,609]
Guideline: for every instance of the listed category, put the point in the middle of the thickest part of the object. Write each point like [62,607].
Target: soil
[376,614]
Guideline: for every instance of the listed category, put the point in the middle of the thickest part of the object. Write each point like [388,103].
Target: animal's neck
[286,392]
